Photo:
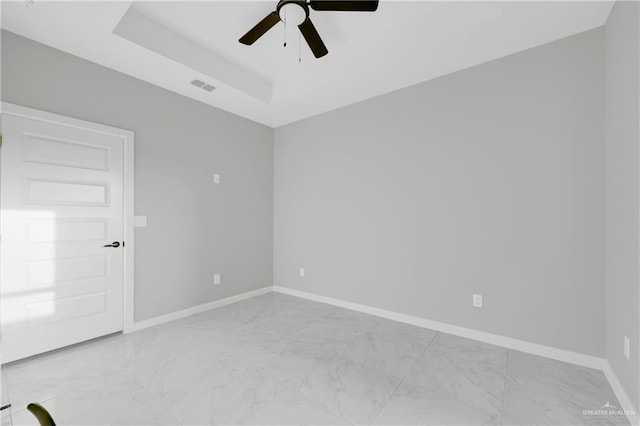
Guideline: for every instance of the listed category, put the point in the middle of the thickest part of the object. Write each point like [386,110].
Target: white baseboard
[494,339]
[624,400]
[196,309]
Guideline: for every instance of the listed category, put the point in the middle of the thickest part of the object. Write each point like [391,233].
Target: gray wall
[622,213]
[195,228]
[489,180]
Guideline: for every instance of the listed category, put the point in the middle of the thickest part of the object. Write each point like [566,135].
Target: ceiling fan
[296,12]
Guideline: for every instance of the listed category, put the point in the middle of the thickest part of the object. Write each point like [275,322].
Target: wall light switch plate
[302,272]
[216,178]
[477,300]
[627,348]
[140,221]
[216,279]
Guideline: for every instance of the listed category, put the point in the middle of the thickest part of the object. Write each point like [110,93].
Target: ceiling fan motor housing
[295,11]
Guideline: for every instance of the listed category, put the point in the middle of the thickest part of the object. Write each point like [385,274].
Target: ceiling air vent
[204,86]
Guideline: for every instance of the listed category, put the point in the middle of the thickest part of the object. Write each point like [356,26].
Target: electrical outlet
[216,279]
[302,272]
[477,300]
[216,178]
[627,347]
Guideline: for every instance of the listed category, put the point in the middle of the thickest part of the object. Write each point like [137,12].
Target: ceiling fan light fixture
[293,12]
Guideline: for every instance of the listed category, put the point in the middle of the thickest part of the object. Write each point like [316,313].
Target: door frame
[128,190]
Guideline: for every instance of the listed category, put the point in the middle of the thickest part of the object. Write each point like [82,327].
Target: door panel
[39,191]
[62,200]
[48,150]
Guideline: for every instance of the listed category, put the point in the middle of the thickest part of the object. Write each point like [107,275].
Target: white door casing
[66,190]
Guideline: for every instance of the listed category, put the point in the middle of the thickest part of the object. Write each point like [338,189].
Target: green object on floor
[41,413]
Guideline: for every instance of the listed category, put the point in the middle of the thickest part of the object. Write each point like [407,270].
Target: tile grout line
[405,376]
[504,389]
[361,363]
[350,342]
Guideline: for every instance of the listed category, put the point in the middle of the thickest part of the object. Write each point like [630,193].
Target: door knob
[115,244]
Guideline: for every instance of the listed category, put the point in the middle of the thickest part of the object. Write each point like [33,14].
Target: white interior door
[61,195]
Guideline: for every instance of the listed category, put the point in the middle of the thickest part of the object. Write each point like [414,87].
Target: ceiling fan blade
[313,39]
[260,29]
[345,5]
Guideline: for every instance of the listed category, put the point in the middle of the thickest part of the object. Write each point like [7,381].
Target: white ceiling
[403,43]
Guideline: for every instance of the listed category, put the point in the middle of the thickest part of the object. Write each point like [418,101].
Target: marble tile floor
[277,359]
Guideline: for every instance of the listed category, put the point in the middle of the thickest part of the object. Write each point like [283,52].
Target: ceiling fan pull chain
[285,28]
[299,47]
